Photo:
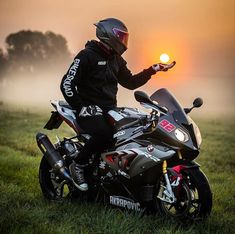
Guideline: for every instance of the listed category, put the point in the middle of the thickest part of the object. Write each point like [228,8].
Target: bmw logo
[150,148]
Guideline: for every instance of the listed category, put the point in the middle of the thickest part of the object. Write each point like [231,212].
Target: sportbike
[150,168]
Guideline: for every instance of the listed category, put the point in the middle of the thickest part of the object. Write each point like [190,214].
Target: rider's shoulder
[120,60]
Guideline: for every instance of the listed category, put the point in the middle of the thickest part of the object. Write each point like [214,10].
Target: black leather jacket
[94,75]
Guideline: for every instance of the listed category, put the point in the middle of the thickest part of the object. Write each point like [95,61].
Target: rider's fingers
[171,65]
[163,67]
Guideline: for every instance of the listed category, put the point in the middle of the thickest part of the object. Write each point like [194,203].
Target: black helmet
[114,33]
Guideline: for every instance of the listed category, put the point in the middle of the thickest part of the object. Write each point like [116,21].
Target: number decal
[170,127]
[165,124]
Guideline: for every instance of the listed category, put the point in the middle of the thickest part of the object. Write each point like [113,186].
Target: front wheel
[194,197]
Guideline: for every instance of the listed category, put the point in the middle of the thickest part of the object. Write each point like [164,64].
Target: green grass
[24,210]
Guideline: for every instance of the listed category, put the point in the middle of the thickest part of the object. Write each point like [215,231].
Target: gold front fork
[164,166]
[168,193]
[179,154]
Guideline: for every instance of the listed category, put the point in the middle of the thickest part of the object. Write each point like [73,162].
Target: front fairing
[168,136]
[165,99]
[175,119]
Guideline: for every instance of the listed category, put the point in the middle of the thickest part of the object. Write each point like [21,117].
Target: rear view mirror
[142,97]
[197,102]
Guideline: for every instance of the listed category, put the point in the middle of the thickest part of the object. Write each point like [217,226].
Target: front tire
[194,200]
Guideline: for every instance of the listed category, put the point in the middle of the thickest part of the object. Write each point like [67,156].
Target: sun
[164,58]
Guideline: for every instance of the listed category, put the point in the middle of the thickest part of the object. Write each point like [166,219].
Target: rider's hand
[163,67]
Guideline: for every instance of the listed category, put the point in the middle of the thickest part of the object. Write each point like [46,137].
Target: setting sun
[164,58]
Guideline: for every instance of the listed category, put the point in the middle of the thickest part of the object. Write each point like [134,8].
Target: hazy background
[198,34]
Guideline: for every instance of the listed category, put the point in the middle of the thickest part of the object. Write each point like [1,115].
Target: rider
[90,86]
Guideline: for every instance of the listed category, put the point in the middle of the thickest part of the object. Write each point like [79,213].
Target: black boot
[77,174]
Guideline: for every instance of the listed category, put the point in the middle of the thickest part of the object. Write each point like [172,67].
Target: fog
[34,92]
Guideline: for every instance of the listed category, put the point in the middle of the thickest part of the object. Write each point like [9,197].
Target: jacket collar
[99,48]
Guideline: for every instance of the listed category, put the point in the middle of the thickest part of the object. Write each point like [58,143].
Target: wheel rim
[182,206]
[52,185]
[187,205]
[60,187]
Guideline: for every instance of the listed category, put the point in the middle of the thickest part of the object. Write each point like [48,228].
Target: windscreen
[165,99]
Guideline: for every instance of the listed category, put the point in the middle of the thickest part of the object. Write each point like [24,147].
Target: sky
[198,34]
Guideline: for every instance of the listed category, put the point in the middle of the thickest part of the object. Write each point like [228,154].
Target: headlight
[181,135]
[197,134]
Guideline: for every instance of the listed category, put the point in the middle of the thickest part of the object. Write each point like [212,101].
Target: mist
[34,92]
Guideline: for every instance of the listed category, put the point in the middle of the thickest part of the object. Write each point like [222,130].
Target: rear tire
[195,199]
[52,186]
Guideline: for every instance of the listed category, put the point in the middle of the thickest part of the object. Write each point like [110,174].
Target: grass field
[23,209]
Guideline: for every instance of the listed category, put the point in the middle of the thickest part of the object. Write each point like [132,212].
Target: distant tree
[34,50]
[3,63]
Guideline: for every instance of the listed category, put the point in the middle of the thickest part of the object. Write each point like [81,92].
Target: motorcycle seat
[66,105]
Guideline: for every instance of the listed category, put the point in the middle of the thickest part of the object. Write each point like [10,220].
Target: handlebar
[162,109]
[143,121]
[130,124]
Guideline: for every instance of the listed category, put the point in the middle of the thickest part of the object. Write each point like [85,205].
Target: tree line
[33,51]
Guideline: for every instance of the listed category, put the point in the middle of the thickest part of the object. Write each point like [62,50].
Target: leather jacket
[94,75]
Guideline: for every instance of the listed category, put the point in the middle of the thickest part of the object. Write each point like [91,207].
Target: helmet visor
[122,36]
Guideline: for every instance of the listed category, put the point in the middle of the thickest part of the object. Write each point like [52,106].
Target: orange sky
[198,34]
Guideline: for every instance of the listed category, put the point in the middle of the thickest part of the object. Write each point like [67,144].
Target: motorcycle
[150,168]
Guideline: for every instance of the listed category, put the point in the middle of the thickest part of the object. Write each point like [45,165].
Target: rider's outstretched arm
[129,81]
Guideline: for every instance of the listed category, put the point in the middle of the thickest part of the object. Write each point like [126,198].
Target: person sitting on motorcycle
[90,86]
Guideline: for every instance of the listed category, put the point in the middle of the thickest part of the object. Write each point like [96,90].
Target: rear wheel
[194,197]
[52,185]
